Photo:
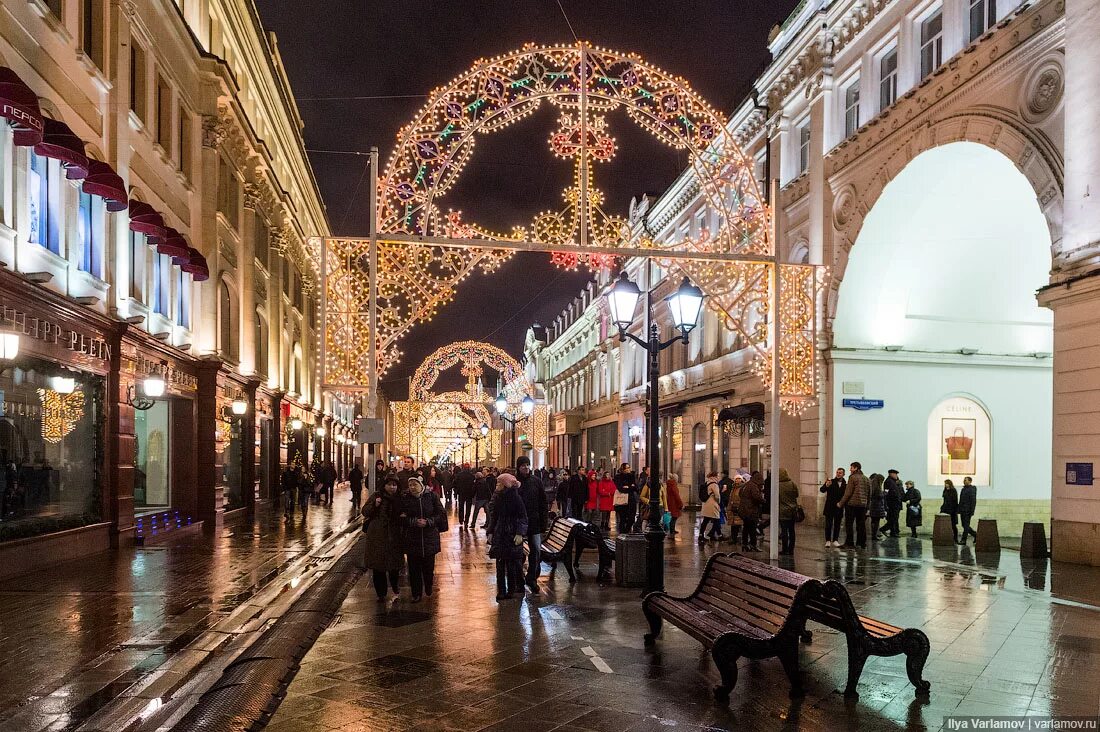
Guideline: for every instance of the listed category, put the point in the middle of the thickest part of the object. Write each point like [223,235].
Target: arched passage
[936,316]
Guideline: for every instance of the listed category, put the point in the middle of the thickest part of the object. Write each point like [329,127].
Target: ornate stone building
[156,198]
[936,157]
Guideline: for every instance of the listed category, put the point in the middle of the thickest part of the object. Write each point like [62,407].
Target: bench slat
[744,599]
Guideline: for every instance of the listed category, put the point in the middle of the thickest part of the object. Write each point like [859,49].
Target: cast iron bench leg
[916,646]
[655,623]
[856,658]
[788,656]
[725,659]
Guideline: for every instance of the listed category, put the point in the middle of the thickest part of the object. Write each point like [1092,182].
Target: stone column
[208,491]
[274,465]
[246,274]
[1074,296]
[118,454]
[204,321]
[248,449]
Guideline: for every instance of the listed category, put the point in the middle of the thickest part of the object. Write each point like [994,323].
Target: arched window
[261,344]
[227,322]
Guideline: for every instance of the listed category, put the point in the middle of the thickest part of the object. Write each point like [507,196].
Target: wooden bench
[868,637]
[592,537]
[557,546]
[740,608]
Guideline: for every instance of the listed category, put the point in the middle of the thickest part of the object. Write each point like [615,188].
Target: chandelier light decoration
[587,85]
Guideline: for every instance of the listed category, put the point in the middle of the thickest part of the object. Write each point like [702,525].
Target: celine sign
[863,405]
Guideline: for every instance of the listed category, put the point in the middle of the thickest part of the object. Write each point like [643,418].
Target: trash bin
[630,560]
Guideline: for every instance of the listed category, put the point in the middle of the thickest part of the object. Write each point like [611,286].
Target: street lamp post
[685,306]
[477,436]
[527,406]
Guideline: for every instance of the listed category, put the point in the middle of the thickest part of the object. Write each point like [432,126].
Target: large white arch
[938,299]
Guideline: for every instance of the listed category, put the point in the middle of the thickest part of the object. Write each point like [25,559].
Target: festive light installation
[586,84]
[60,413]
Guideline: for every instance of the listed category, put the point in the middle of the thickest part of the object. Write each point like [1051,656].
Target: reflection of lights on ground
[295,581]
[150,708]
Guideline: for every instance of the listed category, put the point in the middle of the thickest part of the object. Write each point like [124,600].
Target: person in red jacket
[590,510]
[675,505]
[605,494]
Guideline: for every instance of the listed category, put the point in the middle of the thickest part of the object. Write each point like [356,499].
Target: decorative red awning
[104,182]
[19,105]
[144,219]
[196,266]
[174,245]
[59,143]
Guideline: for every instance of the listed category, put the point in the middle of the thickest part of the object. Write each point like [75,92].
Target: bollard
[1033,541]
[989,540]
[941,531]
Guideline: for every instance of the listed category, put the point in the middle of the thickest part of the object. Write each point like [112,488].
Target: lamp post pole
[527,407]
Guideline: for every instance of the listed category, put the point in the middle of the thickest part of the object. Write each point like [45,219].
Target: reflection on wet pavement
[74,636]
[572,658]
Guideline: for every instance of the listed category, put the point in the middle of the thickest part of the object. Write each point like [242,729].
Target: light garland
[60,413]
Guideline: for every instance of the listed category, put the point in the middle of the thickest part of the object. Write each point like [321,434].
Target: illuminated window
[138,250]
[162,283]
[44,202]
[90,234]
[183,299]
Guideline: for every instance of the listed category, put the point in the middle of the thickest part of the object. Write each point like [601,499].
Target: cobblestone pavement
[75,635]
[572,658]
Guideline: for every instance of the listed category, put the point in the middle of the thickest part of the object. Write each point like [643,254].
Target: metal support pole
[372,296]
[655,532]
[513,423]
[777,380]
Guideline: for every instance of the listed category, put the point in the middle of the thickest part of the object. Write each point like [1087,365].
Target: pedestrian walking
[833,488]
[578,493]
[446,477]
[328,482]
[876,503]
[624,502]
[789,512]
[533,494]
[565,498]
[950,506]
[733,504]
[711,512]
[507,528]
[288,482]
[433,482]
[465,485]
[675,503]
[968,504]
[749,509]
[422,515]
[647,506]
[913,514]
[355,485]
[408,470]
[550,485]
[854,503]
[605,493]
[895,497]
[383,554]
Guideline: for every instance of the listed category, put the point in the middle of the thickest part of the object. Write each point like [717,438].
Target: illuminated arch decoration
[586,84]
[473,356]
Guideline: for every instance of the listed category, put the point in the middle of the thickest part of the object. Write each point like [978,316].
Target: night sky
[402,49]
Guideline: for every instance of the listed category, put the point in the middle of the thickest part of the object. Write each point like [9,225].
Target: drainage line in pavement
[252,687]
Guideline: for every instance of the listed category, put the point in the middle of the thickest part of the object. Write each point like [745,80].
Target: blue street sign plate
[864,404]
[1078,473]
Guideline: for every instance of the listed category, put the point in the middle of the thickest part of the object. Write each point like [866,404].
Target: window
[227,192]
[91,30]
[888,79]
[90,234]
[299,295]
[183,156]
[263,239]
[983,15]
[162,283]
[804,147]
[137,80]
[261,345]
[287,276]
[851,108]
[137,266]
[931,43]
[152,430]
[56,8]
[183,299]
[226,313]
[45,203]
[164,113]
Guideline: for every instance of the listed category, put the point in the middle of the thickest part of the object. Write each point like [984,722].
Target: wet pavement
[1009,637]
[75,635]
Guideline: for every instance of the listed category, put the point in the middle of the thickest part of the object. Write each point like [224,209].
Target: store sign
[54,334]
[1078,473]
[863,405]
[371,431]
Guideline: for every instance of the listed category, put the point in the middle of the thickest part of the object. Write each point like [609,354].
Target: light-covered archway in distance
[936,316]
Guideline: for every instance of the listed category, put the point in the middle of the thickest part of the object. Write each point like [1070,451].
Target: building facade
[930,155]
[156,198]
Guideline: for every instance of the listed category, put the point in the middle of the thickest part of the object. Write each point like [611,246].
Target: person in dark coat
[383,554]
[913,513]
[447,477]
[578,493]
[421,514]
[749,508]
[950,506]
[508,527]
[876,503]
[484,486]
[464,486]
[328,481]
[407,471]
[538,518]
[834,490]
[355,484]
[895,497]
[288,482]
[305,491]
[968,504]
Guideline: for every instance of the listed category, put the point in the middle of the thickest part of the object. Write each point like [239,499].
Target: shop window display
[50,449]
[151,435]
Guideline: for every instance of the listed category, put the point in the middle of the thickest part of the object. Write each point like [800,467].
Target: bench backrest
[834,608]
[753,592]
[559,534]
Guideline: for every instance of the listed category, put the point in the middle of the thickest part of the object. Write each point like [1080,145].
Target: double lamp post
[685,306]
[527,406]
[476,436]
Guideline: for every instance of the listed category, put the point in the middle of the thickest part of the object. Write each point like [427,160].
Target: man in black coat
[355,482]
[465,486]
[578,493]
[534,500]
[407,471]
[968,504]
[895,497]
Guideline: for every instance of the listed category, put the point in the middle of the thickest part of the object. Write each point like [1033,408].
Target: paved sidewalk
[75,636]
[572,658]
